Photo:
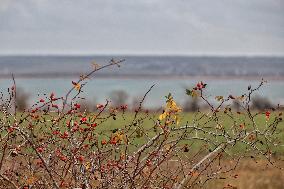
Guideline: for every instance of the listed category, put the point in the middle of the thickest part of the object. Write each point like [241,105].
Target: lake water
[224,75]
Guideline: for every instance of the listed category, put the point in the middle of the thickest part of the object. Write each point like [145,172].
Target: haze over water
[224,75]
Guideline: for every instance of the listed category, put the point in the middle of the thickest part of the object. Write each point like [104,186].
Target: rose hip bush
[55,145]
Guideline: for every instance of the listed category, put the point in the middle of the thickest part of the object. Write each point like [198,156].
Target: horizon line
[148,54]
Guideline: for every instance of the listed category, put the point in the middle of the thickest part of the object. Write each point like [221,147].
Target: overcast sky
[142,26]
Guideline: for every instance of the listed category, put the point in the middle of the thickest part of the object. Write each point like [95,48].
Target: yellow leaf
[31,180]
[171,104]
[219,98]
[163,116]
[194,94]
[167,147]
[177,120]
[119,136]
[167,122]
[77,86]
[241,98]
[87,165]
[219,126]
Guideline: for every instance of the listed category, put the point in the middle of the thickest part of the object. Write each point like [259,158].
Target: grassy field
[149,121]
[145,124]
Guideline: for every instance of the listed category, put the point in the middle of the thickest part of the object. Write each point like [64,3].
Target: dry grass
[252,175]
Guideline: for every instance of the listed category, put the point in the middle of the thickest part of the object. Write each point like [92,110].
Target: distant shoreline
[198,55]
[140,76]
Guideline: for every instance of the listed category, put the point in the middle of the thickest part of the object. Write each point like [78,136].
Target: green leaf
[188,92]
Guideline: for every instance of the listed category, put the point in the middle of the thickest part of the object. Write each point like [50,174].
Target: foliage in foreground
[55,145]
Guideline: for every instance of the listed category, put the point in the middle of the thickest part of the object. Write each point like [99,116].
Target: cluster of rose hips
[112,164]
[200,86]
[52,99]
[123,107]
[267,115]
[60,155]
[100,106]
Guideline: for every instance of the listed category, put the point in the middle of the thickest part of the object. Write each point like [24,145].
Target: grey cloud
[180,26]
